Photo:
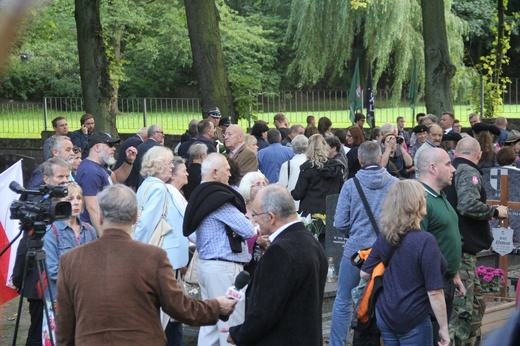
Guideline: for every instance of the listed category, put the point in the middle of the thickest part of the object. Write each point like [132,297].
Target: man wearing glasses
[93,175]
[61,147]
[286,295]
[155,137]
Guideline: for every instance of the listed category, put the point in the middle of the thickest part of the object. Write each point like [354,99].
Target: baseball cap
[101,137]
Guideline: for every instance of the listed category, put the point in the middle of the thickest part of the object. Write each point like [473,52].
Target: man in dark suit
[446,122]
[155,136]
[140,137]
[116,296]
[286,294]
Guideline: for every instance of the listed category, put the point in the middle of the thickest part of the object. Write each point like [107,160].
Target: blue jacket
[270,160]
[174,243]
[351,217]
[59,239]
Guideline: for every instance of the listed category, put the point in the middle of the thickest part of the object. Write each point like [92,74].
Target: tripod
[35,255]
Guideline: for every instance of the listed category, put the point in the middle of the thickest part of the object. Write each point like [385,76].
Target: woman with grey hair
[290,170]
[249,187]
[319,177]
[156,202]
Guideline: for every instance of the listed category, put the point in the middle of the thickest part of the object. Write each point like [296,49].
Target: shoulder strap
[165,207]
[88,227]
[367,207]
[288,171]
[145,194]
[55,231]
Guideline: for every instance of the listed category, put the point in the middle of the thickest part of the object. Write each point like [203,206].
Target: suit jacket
[110,290]
[133,141]
[286,294]
[246,160]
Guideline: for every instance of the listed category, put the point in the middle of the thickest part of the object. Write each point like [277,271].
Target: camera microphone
[241,281]
[15,187]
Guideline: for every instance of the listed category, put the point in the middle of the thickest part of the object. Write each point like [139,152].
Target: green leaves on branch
[490,68]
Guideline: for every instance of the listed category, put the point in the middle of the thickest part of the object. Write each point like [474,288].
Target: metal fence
[29,119]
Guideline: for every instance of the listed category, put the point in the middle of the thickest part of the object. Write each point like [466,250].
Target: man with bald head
[237,150]
[216,213]
[441,219]
[289,280]
[468,197]
[434,140]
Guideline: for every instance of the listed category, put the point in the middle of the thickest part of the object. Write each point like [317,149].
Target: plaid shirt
[212,241]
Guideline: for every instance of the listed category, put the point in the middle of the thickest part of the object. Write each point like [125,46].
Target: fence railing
[28,119]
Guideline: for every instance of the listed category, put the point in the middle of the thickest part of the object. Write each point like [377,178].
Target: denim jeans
[422,334]
[342,310]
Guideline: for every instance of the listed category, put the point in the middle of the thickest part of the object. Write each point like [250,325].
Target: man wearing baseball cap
[93,174]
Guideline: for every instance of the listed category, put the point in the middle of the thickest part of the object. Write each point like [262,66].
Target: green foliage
[490,69]
[387,34]
[158,52]
[51,67]
[251,56]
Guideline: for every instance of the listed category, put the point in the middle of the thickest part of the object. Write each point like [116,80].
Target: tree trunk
[500,42]
[98,92]
[208,60]
[438,67]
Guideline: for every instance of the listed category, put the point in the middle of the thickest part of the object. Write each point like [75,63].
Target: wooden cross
[504,200]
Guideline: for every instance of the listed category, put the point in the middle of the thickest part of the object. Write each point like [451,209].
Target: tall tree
[438,67]
[389,33]
[99,96]
[208,60]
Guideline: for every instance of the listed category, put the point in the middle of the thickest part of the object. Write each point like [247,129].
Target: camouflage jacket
[468,197]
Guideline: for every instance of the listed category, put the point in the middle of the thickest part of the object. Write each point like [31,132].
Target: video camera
[43,211]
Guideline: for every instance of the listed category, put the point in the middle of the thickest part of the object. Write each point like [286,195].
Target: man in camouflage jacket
[468,197]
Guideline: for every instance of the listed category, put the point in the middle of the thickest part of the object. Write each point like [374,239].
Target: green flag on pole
[354,94]
[412,93]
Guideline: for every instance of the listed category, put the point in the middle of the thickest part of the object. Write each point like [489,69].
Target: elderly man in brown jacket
[110,290]
[238,150]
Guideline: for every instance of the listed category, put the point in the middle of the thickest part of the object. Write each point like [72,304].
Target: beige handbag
[162,228]
[191,274]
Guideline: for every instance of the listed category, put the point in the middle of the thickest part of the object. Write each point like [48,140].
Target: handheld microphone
[241,281]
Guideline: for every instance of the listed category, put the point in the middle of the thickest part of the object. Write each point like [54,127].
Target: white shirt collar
[273,236]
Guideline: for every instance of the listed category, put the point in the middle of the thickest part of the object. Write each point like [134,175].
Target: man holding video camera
[55,171]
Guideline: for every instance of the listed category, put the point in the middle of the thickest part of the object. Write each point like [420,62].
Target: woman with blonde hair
[413,280]
[251,142]
[156,202]
[64,235]
[319,177]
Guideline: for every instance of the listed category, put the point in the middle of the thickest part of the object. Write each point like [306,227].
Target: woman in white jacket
[290,170]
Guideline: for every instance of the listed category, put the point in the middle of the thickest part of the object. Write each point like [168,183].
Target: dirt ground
[8,313]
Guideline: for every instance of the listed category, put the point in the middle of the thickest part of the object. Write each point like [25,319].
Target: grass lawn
[27,120]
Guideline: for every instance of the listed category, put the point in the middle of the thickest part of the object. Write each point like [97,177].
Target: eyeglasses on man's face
[256,215]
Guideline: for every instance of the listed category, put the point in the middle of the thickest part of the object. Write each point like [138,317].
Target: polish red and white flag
[8,229]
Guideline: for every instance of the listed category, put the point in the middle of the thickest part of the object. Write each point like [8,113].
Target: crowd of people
[237,199]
